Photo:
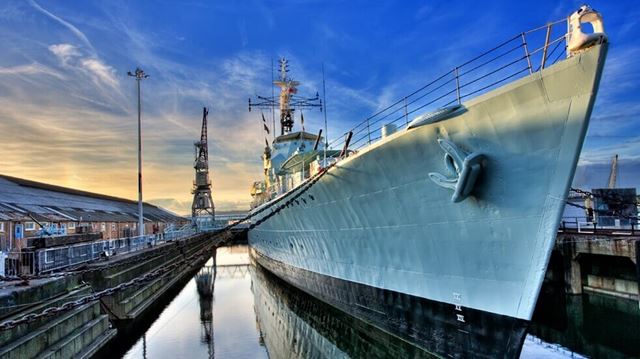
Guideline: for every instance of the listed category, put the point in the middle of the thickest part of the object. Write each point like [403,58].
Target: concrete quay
[84,328]
[597,261]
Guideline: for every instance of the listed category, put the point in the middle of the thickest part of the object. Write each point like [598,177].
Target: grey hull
[377,218]
[405,326]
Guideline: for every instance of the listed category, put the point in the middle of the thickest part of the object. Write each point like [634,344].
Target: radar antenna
[288,100]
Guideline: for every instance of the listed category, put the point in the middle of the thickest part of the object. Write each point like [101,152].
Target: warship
[446,202]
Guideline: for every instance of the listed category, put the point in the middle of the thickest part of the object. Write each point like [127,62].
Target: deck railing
[510,60]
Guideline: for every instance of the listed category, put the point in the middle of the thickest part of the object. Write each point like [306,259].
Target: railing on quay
[510,60]
[606,225]
[47,260]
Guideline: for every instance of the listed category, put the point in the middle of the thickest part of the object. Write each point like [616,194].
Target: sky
[68,109]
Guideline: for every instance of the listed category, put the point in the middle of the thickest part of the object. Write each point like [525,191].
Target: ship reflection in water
[236,309]
[294,324]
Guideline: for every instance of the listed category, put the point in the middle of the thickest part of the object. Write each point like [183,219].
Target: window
[103,227]
[71,225]
[30,226]
[1,226]
[113,226]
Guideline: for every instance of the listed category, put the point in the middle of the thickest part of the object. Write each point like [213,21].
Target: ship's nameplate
[437,116]
[464,168]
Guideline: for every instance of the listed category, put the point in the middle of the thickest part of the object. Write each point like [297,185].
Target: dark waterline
[252,314]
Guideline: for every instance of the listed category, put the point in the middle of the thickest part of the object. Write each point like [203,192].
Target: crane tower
[202,205]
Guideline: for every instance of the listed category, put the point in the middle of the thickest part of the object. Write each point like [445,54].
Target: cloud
[627,149]
[172,204]
[79,34]
[621,75]
[64,52]
[30,69]
[100,71]
[70,56]
[80,117]
[596,175]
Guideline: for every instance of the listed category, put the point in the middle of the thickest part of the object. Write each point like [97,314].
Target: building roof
[21,198]
[294,163]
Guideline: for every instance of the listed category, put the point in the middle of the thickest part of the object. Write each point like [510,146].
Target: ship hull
[378,219]
[432,329]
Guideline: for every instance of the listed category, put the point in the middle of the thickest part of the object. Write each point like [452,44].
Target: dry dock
[597,260]
[76,313]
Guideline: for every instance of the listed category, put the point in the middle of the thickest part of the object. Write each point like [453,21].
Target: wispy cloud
[627,149]
[100,72]
[79,34]
[70,56]
[30,69]
[64,52]
[65,91]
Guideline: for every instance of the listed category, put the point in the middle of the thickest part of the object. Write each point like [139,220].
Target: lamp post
[139,75]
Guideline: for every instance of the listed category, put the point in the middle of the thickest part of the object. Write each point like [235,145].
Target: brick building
[27,206]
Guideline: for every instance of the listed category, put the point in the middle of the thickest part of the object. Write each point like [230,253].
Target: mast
[287,100]
[288,88]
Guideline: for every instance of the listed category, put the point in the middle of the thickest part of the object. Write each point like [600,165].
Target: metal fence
[602,225]
[46,260]
[17,263]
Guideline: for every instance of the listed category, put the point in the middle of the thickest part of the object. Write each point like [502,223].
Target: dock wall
[599,263]
[75,323]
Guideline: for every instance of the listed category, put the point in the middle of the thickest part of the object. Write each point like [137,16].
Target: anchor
[464,168]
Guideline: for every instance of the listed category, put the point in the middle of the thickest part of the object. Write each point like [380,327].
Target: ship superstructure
[292,156]
[424,198]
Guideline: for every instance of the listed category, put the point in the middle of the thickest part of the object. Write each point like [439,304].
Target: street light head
[138,74]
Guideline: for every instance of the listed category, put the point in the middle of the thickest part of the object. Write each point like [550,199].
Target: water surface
[232,309]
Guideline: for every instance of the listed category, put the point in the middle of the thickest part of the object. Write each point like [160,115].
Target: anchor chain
[605,197]
[603,212]
[303,188]
[10,324]
[609,198]
[225,233]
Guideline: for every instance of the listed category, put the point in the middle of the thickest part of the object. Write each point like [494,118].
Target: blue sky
[67,110]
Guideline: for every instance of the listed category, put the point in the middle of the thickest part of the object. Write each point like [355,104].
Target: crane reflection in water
[205,283]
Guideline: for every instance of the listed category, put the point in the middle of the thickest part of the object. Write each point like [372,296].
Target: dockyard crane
[202,205]
[613,175]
